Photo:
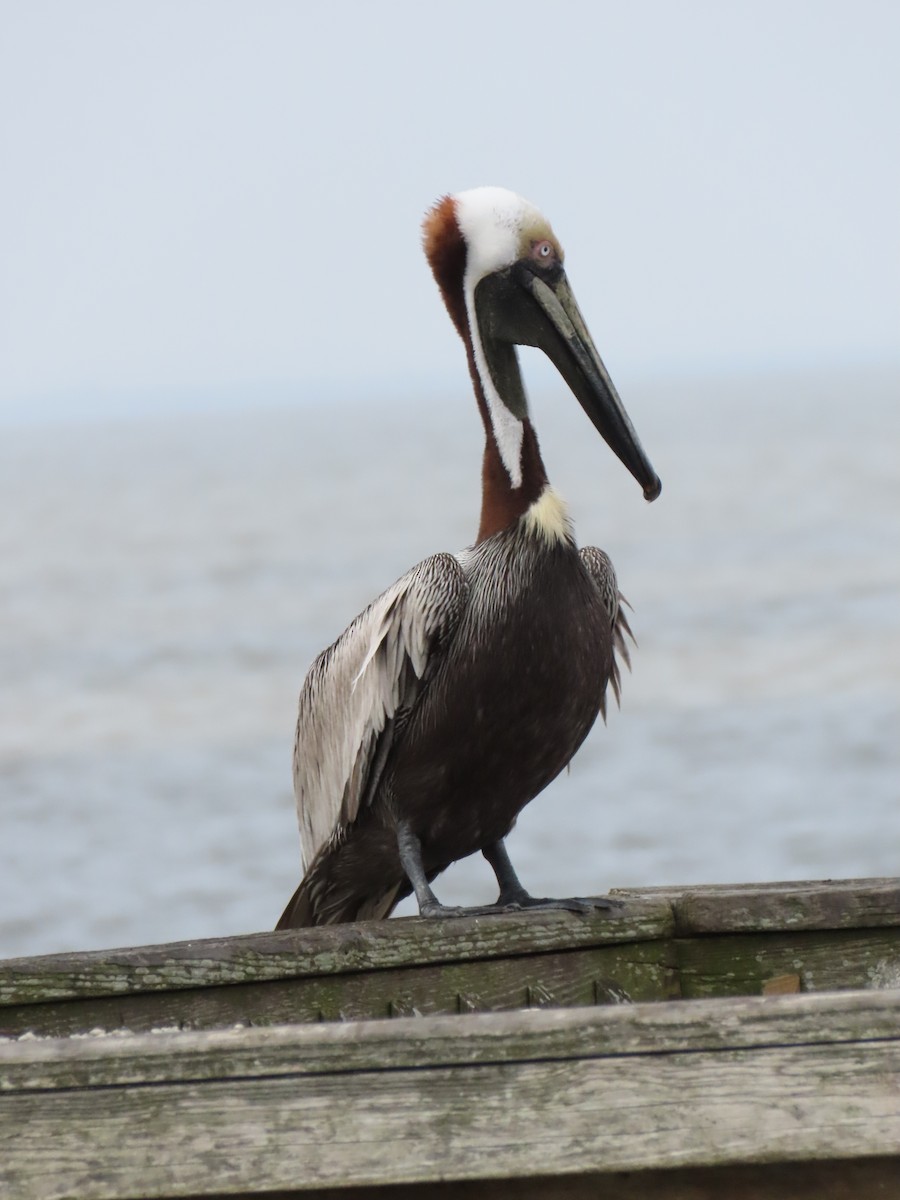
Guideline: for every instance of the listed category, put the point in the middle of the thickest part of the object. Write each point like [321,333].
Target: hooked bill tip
[652,490]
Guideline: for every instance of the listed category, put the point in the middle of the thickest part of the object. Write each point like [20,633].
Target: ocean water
[165,582]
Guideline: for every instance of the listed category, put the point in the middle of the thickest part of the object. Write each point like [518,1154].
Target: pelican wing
[359,690]
[598,565]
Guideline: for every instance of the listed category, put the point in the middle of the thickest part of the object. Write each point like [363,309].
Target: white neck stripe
[508,429]
[492,221]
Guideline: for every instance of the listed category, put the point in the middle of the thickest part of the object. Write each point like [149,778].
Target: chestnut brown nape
[445,250]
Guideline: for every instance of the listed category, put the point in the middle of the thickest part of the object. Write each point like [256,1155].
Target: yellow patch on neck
[548,517]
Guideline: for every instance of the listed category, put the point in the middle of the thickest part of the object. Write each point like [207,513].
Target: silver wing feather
[599,566]
[357,689]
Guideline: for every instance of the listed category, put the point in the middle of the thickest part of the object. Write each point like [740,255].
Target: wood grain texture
[578,1093]
[651,913]
[329,950]
[826,960]
[666,943]
[844,1179]
[767,907]
[36,1064]
[484,1121]
[639,971]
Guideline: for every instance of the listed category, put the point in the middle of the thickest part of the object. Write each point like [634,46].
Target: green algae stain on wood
[824,960]
[642,971]
[663,944]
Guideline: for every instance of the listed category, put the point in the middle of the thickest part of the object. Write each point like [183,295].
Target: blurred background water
[164,583]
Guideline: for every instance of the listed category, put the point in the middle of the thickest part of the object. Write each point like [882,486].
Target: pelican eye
[543,253]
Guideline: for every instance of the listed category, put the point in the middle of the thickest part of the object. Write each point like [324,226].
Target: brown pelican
[465,688]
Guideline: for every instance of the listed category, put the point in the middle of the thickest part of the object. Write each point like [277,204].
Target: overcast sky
[204,198]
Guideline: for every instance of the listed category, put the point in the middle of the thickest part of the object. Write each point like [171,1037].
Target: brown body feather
[509,701]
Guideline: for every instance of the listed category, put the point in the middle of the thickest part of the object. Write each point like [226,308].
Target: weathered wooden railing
[273,1071]
[664,944]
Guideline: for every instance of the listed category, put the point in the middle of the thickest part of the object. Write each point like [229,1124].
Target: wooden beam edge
[650,914]
[778,907]
[678,1028]
[329,950]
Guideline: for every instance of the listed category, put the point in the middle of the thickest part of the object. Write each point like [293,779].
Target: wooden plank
[331,950]
[770,907]
[38,1064]
[649,913]
[519,959]
[605,974]
[827,960]
[625,1104]
[742,964]
[845,1179]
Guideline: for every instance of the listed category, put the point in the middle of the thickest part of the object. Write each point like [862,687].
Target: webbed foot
[522,903]
[576,904]
[513,896]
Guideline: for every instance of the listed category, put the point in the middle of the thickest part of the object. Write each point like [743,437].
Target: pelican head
[499,266]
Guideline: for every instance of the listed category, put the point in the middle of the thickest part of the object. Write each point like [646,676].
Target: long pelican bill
[522,307]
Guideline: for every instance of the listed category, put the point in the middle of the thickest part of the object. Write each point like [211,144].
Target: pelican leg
[410,849]
[513,894]
[511,890]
